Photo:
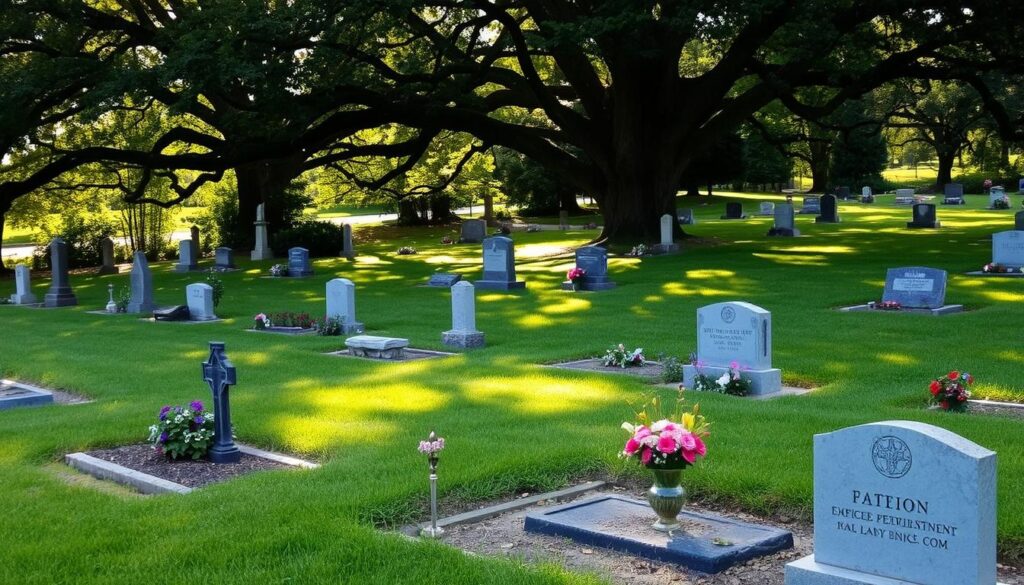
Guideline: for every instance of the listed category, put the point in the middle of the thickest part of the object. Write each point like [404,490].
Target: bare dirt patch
[188,473]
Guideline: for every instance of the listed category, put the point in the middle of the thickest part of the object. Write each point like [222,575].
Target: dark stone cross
[219,373]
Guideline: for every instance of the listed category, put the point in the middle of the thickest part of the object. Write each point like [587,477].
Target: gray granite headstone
[812,204]
[444,279]
[262,250]
[499,265]
[953,194]
[463,332]
[685,216]
[298,262]
[916,287]
[900,502]
[188,257]
[142,286]
[1008,248]
[341,303]
[199,297]
[60,293]
[1020,185]
[829,210]
[923,216]
[348,250]
[865,191]
[734,210]
[785,221]
[107,255]
[867,195]
[996,194]
[23,286]
[594,261]
[905,196]
[735,332]
[666,227]
[224,258]
[473,231]
[767,208]
[1018,221]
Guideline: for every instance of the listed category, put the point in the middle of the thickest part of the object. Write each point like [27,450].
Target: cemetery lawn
[512,425]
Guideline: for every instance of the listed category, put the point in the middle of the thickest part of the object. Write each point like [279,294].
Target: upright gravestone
[843,193]
[341,304]
[594,262]
[740,333]
[1018,221]
[298,262]
[1020,185]
[923,216]
[785,221]
[23,286]
[996,194]
[1008,248]
[262,250]
[812,205]
[194,235]
[142,286]
[829,210]
[348,250]
[734,210]
[199,297]
[867,195]
[766,209]
[188,257]
[463,332]
[563,220]
[473,231]
[107,256]
[900,502]
[499,265]
[905,196]
[916,287]
[953,194]
[219,373]
[224,258]
[685,216]
[60,293]
[667,243]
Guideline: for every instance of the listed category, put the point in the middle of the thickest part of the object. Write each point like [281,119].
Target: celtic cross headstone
[219,374]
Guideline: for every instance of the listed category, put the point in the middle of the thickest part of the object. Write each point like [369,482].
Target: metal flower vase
[667,497]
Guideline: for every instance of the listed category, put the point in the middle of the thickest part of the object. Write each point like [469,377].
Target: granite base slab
[807,571]
[761,381]
[785,391]
[14,395]
[624,524]
[784,232]
[499,285]
[463,339]
[1001,274]
[409,354]
[925,226]
[943,310]
[665,248]
[285,330]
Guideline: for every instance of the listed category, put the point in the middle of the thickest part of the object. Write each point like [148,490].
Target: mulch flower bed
[188,473]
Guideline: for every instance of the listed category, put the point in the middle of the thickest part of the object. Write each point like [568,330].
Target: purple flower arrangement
[183,432]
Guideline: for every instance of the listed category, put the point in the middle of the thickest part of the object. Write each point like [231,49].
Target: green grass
[511,425]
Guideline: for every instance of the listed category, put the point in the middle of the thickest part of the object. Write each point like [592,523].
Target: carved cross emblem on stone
[219,374]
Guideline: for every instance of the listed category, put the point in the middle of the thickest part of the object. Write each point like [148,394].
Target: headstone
[767,209]
[373,346]
[341,303]
[996,194]
[829,210]
[900,502]
[594,261]
[194,236]
[812,204]
[499,264]
[224,258]
[563,219]
[262,250]
[923,216]
[107,254]
[219,373]
[142,286]
[444,279]
[1020,185]
[60,293]
[865,191]
[1008,248]
[1018,221]
[23,286]
[785,221]
[188,257]
[199,297]
[463,332]
[916,287]
[735,332]
[298,262]
[843,193]
[667,243]
[473,231]
[953,194]
[685,216]
[111,304]
[347,249]
[734,210]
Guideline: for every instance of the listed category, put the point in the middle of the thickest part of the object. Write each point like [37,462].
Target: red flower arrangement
[951,392]
[888,306]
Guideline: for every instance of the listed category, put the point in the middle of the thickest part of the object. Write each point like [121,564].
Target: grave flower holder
[667,497]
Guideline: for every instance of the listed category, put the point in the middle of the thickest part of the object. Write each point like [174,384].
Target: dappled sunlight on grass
[541,250]
[816,249]
[1011,356]
[573,304]
[897,358]
[997,295]
[681,289]
[447,259]
[535,321]
[806,260]
[709,273]
[310,434]
[540,394]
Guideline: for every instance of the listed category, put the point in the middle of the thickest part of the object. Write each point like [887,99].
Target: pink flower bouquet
[672,442]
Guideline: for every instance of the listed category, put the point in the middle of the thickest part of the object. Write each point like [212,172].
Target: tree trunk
[409,212]
[441,209]
[567,202]
[946,160]
[820,162]
[257,183]
[489,209]
[5,206]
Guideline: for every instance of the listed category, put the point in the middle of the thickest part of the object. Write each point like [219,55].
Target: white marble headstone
[23,286]
[463,307]
[199,297]
[666,229]
[1008,248]
[734,331]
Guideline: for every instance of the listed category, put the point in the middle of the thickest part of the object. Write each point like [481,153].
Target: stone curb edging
[499,509]
[998,403]
[143,482]
[283,459]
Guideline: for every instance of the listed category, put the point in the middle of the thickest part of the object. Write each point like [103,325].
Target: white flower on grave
[179,418]
[723,380]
